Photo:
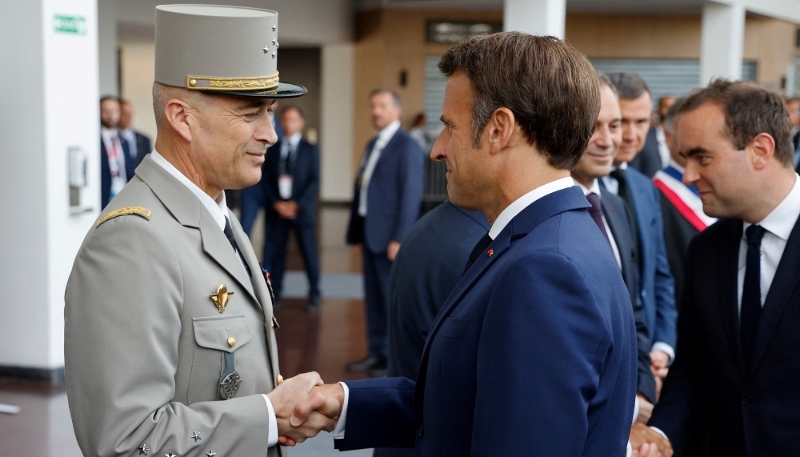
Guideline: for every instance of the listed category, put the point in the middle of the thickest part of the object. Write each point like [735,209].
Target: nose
[439,151]
[602,137]
[690,174]
[265,131]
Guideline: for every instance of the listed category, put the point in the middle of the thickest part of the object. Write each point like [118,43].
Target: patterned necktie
[476,251]
[597,213]
[751,291]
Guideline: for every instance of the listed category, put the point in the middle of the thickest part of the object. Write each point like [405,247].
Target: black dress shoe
[366,364]
[313,305]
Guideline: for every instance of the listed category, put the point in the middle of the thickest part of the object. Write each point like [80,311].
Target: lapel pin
[490,252]
[221,297]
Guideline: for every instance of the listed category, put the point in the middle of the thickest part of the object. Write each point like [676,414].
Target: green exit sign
[73,25]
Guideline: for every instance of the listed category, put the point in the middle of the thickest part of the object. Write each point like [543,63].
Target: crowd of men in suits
[121,147]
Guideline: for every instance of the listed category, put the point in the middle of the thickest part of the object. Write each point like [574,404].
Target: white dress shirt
[219,211]
[499,224]
[116,160]
[778,225]
[383,139]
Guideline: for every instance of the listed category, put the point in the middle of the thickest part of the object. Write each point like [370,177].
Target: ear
[762,150]
[179,115]
[500,129]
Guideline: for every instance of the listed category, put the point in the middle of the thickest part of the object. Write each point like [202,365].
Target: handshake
[303,406]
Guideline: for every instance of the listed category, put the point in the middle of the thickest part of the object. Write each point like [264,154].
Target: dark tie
[622,179]
[751,291]
[476,251]
[597,213]
[229,234]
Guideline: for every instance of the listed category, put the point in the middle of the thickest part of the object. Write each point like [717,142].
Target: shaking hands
[304,406]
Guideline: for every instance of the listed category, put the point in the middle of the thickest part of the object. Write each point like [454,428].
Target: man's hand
[285,397]
[286,209]
[642,434]
[391,250]
[645,409]
[659,363]
[324,401]
[646,450]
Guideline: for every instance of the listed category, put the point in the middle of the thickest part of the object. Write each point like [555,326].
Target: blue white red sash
[683,199]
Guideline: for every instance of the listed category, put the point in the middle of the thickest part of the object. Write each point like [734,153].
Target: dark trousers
[251,200]
[275,242]
[377,268]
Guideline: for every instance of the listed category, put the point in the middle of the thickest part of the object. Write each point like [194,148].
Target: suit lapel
[784,283]
[190,212]
[620,229]
[522,224]
[726,280]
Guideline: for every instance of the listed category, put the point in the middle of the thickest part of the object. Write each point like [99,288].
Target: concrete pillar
[336,122]
[50,106]
[537,17]
[107,47]
[721,42]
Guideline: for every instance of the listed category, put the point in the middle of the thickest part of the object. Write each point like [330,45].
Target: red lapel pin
[490,252]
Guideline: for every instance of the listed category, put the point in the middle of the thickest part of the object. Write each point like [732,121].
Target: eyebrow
[693,151]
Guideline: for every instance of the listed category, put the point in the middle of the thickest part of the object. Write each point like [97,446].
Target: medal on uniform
[269,283]
[230,380]
[221,297]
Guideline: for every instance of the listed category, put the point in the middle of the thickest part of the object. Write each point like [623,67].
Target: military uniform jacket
[145,344]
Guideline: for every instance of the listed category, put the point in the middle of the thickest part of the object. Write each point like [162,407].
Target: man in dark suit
[610,214]
[427,268]
[290,183]
[386,201]
[252,199]
[657,284]
[737,367]
[138,143]
[681,207]
[116,164]
[793,106]
[654,155]
[534,351]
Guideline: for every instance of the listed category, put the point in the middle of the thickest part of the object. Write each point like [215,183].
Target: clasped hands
[304,405]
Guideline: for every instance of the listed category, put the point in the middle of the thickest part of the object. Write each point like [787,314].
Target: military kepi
[220,49]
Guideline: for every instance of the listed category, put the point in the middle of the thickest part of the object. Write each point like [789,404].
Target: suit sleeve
[666,311]
[122,339]
[542,363]
[312,181]
[411,182]
[683,406]
[380,413]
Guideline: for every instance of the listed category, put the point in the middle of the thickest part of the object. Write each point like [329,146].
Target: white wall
[53,106]
[336,146]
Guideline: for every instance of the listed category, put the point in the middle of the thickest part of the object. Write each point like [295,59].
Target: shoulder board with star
[130,210]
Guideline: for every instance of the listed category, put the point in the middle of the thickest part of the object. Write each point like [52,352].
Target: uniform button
[279,381]
[231,341]
[421,431]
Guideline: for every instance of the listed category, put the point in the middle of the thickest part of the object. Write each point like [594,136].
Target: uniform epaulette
[137,210]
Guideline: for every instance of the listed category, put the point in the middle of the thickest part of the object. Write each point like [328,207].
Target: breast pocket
[214,336]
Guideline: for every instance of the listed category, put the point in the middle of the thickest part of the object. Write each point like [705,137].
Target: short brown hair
[551,88]
[749,110]
[630,86]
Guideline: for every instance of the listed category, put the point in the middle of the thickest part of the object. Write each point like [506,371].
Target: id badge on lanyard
[285,186]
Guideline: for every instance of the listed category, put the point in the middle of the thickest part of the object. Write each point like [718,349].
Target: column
[721,42]
[108,47]
[50,108]
[537,17]
[336,122]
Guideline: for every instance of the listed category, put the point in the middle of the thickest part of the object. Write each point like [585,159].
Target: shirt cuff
[635,409]
[272,437]
[664,347]
[628,449]
[338,432]
[658,430]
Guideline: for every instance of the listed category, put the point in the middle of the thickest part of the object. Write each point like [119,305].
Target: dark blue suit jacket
[142,147]
[305,180]
[648,160]
[394,195]
[105,171]
[617,216]
[755,411]
[534,352]
[657,284]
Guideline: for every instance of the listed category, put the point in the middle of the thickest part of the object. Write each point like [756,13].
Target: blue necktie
[751,291]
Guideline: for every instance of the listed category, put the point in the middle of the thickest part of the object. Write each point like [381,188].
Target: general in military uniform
[170,334]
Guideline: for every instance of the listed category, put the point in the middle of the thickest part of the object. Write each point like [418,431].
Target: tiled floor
[323,342]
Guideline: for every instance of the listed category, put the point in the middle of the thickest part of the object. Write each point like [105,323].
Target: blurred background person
[290,182]
[793,106]
[116,164]
[138,143]
[386,202]
[420,133]
[657,284]
[655,155]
